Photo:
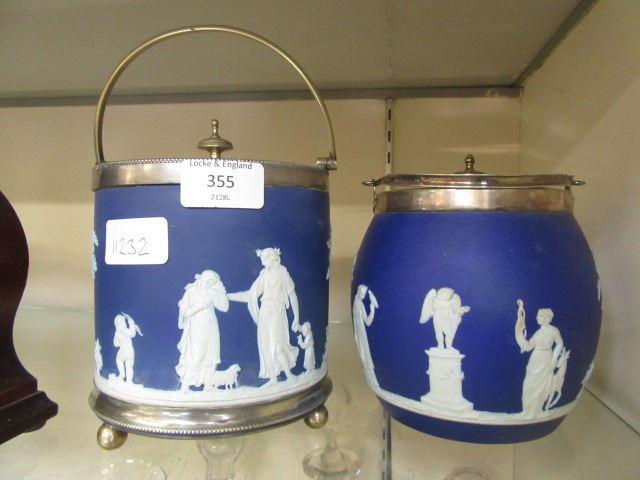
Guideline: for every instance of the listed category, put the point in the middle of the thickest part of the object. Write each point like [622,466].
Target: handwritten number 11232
[130,246]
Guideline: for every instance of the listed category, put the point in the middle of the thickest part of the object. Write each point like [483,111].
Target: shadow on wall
[340,290]
[578,85]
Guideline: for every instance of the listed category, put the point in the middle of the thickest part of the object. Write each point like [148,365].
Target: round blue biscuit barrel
[476,305]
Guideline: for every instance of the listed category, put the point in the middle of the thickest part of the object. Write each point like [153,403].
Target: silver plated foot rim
[190,423]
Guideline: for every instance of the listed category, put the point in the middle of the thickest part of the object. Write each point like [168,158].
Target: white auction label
[137,241]
[222,183]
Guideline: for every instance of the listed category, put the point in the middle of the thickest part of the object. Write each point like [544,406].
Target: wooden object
[23,407]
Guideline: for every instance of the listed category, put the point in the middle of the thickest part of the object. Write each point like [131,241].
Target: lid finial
[215,144]
[469,161]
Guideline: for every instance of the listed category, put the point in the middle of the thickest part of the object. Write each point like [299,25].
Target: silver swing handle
[328,163]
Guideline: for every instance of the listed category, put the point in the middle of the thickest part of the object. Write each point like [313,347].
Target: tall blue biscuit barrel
[211,288]
[476,304]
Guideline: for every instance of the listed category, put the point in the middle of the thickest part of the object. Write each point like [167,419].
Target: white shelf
[56,345]
[592,443]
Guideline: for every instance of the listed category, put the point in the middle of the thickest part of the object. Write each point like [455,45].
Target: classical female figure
[361,320]
[546,349]
[199,345]
[268,299]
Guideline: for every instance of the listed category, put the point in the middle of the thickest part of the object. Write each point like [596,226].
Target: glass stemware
[221,455]
[330,461]
[467,473]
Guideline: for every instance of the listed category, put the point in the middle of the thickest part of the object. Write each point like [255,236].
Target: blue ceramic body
[490,259]
[294,220]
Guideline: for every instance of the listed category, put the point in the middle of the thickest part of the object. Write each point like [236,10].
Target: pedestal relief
[445,382]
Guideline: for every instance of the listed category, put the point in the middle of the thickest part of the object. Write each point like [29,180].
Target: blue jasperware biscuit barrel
[476,304]
[211,287]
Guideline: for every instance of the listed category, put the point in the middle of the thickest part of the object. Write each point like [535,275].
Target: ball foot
[110,438]
[318,418]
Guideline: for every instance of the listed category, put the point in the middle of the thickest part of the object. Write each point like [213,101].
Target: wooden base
[25,415]
[22,407]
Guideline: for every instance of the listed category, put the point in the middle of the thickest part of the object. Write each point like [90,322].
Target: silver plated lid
[471,189]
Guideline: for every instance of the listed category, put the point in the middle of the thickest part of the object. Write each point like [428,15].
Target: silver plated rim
[190,423]
[167,171]
[467,199]
[478,180]
[146,161]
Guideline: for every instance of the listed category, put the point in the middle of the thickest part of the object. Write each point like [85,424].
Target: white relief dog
[227,378]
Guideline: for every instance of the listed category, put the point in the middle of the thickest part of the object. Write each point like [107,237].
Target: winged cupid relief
[445,306]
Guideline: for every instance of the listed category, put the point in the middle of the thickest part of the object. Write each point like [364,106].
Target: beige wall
[433,135]
[580,116]
[47,154]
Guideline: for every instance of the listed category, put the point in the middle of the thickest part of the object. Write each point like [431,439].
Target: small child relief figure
[305,340]
[126,329]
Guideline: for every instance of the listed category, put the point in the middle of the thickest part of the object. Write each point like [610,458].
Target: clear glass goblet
[221,455]
[330,462]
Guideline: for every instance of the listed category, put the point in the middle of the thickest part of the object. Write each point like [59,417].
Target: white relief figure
[126,330]
[362,320]
[227,378]
[587,375]
[97,355]
[445,398]
[445,395]
[558,380]
[445,306]
[543,379]
[94,262]
[599,289]
[199,345]
[329,267]
[305,341]
[268,300]
[325,354]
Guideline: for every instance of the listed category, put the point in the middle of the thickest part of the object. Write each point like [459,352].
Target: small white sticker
[137,241]
[222,183]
